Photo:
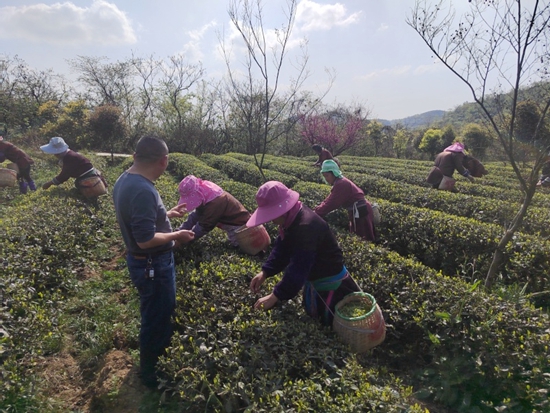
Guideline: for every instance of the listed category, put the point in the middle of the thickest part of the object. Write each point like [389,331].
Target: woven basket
[364,332]
[447,183]
[376,218]
[8,177]
[92,187]
[252,240]
[13,167]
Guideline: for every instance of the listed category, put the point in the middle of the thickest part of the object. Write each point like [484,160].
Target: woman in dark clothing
[323,154]
[306,250]
[211,207]
[446,163]
[73,164]
[345,193]
[22,160]
[544,180]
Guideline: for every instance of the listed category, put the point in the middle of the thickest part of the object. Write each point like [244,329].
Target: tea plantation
[450,345]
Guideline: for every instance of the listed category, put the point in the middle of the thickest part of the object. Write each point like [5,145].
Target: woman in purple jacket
[345,193]
[306,250]
[73,164]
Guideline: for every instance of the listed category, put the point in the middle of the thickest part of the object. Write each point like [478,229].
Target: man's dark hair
[317,148]
[150,149]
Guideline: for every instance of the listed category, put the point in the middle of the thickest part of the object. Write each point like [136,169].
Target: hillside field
[70,315]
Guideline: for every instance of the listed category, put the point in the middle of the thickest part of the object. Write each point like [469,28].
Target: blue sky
[378,60]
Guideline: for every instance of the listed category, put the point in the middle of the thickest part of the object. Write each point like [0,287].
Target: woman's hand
[267,302]
[183,236]
[257,282]
[47,185]
[178,211]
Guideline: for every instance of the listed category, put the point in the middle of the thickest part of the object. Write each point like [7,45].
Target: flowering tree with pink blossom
[337,129]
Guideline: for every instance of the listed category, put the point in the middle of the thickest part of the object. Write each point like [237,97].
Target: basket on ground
[92,187]
[13,166]
[252,240]
[8,177]
[362,332]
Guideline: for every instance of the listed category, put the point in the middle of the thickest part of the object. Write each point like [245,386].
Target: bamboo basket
[8,177]
[92,187]
[13,166]
[447,183]
[364,332]
[252,240]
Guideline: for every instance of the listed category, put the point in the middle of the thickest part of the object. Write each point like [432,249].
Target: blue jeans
[157,303]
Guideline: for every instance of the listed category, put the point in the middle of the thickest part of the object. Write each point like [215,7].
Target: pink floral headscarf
[196,192]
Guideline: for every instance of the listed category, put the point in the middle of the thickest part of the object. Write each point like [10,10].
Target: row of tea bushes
[482,209]
[502,187]
[505,188]
[305,172]
[226,357]
[450,243]
[457,340]
[475,351]
[452,342]
[455,245]
[49,241]
[244,171]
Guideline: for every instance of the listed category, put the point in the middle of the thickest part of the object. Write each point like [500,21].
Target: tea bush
[447,341]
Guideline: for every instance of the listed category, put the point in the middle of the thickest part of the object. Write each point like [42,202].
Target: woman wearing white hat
[73,164]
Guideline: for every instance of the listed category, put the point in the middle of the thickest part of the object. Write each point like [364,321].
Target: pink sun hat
[195,192]
[274,199]
[455,147]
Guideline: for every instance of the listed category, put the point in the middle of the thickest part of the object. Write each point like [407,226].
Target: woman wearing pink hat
[212,207]
[306,250]
[445,164]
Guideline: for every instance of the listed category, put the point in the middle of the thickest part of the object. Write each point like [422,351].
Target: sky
[377,59]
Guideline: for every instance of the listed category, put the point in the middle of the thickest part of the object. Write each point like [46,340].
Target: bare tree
[24,89]
[256,92]
[178,78]
[496,45]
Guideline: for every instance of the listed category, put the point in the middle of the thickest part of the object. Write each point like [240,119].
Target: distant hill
[416,121]
[468,112]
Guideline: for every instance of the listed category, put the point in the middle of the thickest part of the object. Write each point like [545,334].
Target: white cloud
[67,24]
[383,27]
[192,49]
[423,69]
[395,71]
[314,16]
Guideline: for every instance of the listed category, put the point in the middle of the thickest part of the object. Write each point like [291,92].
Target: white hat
[56,146]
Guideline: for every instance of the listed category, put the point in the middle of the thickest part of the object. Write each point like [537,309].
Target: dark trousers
[157,304]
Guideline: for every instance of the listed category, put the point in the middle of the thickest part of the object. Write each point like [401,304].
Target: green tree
[107,129]
[476,139]
[401,142]
[70,124]
[448,136]
[431,142]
